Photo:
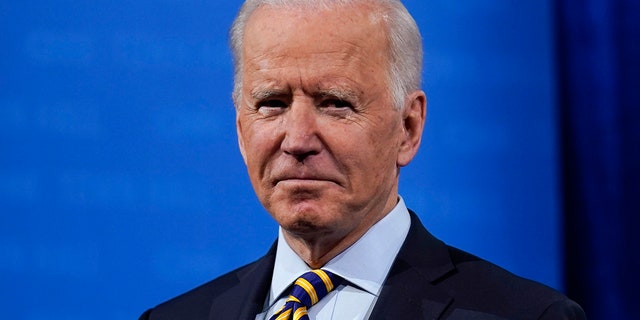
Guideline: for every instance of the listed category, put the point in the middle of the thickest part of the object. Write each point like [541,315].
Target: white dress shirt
[365,265]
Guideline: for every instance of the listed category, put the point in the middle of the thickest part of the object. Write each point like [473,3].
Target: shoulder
[196,303]
[487,276]
[477,284]
[477,288]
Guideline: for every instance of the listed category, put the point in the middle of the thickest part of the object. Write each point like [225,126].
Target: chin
[306,220]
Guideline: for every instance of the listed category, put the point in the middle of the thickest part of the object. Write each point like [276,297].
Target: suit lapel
[245,300]
[409,291]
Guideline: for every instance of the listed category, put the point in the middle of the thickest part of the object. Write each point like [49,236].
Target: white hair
[405,43]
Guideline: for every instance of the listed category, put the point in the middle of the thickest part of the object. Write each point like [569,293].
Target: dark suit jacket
[428,280]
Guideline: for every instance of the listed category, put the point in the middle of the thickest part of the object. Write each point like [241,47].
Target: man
[329,108]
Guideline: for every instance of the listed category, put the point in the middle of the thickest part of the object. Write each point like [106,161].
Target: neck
[316,249]
[316,252]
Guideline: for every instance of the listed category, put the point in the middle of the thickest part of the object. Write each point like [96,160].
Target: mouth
[301,181]
[295,188]
[304,180]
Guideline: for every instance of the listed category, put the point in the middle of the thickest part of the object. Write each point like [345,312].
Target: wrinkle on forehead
[338,89]
[371,18]
[272,68]
[280,57]
[291,27]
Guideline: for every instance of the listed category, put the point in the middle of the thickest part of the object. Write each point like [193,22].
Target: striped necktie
[307,291]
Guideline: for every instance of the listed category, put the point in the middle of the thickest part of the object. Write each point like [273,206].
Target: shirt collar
[364,264]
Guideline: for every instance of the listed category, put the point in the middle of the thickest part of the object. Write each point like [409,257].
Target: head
[404,48]
[319,123]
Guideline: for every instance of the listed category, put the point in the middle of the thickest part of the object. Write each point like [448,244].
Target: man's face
[317,130]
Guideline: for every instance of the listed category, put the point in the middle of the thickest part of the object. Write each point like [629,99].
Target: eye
[272,104]
[337,104]
[271,107]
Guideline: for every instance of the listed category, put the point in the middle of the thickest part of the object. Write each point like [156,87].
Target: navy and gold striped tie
[307,291]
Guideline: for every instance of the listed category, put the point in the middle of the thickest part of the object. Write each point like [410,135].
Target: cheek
[382,152]
[260,144]
[368,152]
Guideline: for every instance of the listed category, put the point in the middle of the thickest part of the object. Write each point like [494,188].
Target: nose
[301,138]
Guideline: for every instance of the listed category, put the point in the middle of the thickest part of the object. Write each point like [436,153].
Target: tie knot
[308,289]
[313,286]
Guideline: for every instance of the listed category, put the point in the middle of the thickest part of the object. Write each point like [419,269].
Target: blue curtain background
[121,184]
[599,54]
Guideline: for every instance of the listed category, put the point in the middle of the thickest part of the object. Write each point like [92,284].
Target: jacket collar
[410,291]
[246,299]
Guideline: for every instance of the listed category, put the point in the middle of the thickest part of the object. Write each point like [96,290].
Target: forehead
[276,36]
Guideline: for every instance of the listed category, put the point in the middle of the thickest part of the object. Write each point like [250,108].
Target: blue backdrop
[120,180]
[599,69]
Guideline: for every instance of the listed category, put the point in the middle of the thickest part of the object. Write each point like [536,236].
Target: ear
[240,137]
[413,118]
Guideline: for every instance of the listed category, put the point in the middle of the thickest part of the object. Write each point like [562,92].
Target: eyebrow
[338,93]
[266,91]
